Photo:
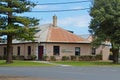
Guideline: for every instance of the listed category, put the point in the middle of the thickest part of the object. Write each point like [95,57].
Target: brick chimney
[54,21]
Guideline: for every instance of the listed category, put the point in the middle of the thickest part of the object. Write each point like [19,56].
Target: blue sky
[77,21]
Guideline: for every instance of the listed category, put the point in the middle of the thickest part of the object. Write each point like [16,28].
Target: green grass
[17,63]
[23,63]
[87,63]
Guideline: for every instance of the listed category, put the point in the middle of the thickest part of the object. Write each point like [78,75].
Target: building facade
[52,40]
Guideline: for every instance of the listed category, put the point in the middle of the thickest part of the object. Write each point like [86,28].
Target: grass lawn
[72,63]
[23,63]
[87,63]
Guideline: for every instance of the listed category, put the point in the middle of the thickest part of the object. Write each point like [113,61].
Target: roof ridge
[48,35]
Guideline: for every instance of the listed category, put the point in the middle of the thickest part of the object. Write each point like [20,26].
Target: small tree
[16,26]
[105,24]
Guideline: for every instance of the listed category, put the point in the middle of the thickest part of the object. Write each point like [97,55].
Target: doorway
[40,52]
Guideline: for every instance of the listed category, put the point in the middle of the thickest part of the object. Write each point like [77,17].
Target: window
[29,50]
[77,51]
[18,49]
[93,51]
[5,51]
[56,50]
[0,40]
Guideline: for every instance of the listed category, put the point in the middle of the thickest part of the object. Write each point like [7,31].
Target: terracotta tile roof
[49,33]
[53,33]
[56,34]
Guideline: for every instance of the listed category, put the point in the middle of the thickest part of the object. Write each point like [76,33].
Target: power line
[61,10]
[64,3]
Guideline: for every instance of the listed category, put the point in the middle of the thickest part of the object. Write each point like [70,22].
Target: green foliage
[16,27]
[105,24]
[105,20]
[65,58]
[45,57]
[31,57]
[87,58]
[20,27]
[98,57]
[21,57]
[4,57]
[14,57]
[52,58]
[1,58]
[73,58]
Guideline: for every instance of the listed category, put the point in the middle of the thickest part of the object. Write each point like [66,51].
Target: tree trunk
[9,38]
[115,55]
[9,49]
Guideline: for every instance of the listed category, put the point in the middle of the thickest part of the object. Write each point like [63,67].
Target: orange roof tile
[57,34]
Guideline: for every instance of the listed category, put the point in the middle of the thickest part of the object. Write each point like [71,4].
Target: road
[64,73]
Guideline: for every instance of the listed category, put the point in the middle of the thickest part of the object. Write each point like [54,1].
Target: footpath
[55,64]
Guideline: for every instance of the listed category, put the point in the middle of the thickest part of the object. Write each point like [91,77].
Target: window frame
[93,51]
[29,50]
[77,52]
[18,50]
[56,50]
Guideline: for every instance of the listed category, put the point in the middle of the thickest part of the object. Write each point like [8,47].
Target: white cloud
[41,7]
[47,7]
[76,21]
[76,7]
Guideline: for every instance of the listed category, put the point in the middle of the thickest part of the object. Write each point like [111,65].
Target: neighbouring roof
[49,33]
[87,37]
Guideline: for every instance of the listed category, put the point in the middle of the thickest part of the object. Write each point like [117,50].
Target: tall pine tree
[18,27]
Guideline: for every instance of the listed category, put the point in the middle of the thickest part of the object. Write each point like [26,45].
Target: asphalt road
[64,73]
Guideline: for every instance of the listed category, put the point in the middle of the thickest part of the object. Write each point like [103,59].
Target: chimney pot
[54,21]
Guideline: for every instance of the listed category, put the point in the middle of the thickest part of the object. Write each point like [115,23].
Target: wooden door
[40,52]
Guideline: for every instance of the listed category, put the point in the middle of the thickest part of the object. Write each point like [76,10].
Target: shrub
[4,57]
[45,57]
[98,57]
[93,58]
[1,58]
[73,58]
[31,57]
[14,57]
[110,57]
[86,58]
[79,58]
[52,58]
[21,57]
[64,58]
